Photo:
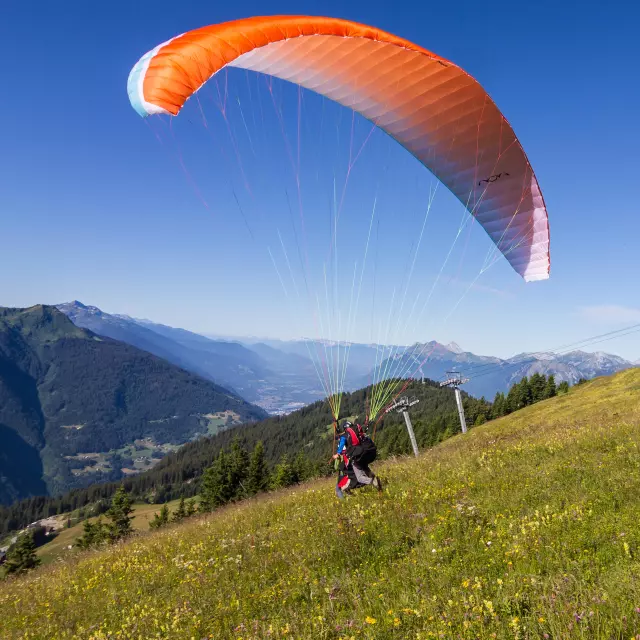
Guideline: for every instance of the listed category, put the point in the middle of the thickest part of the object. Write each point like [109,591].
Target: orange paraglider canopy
[432,107]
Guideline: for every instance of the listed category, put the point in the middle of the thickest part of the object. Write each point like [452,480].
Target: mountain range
[488,375]
[87,397]
[280,375]
[278,380]
[77,408]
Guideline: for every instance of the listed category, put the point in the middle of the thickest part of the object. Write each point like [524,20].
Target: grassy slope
[58,547]
[526,526]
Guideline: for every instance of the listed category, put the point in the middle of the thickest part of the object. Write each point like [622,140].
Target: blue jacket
[342,443]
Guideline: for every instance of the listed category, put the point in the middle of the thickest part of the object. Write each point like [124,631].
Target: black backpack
[361,448]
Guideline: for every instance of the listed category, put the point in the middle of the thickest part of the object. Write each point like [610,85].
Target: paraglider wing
[437,111]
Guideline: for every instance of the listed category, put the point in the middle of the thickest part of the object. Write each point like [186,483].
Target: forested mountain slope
[70,399]
[308,431]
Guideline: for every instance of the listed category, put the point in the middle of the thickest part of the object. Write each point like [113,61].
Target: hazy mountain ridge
[279,375]
[258,373]
[181,347]
[489,374]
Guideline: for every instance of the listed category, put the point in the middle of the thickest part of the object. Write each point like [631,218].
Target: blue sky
[95,204]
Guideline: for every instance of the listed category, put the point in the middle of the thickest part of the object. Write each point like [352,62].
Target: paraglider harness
[360,447]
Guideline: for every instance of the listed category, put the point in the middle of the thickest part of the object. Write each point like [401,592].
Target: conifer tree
[480,409]
[513,399]
[180,513]
[258,475]
[238,468]
[301,468]
[537,384]
[120,515]
[93,533]
[282,474]
[563,387]
[22,556]
[192,507]
[165,514]
[499,406]
[217,487]
[550,388]
[160,519]
[525,397]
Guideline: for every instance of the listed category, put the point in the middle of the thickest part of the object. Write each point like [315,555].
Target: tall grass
[527,527]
